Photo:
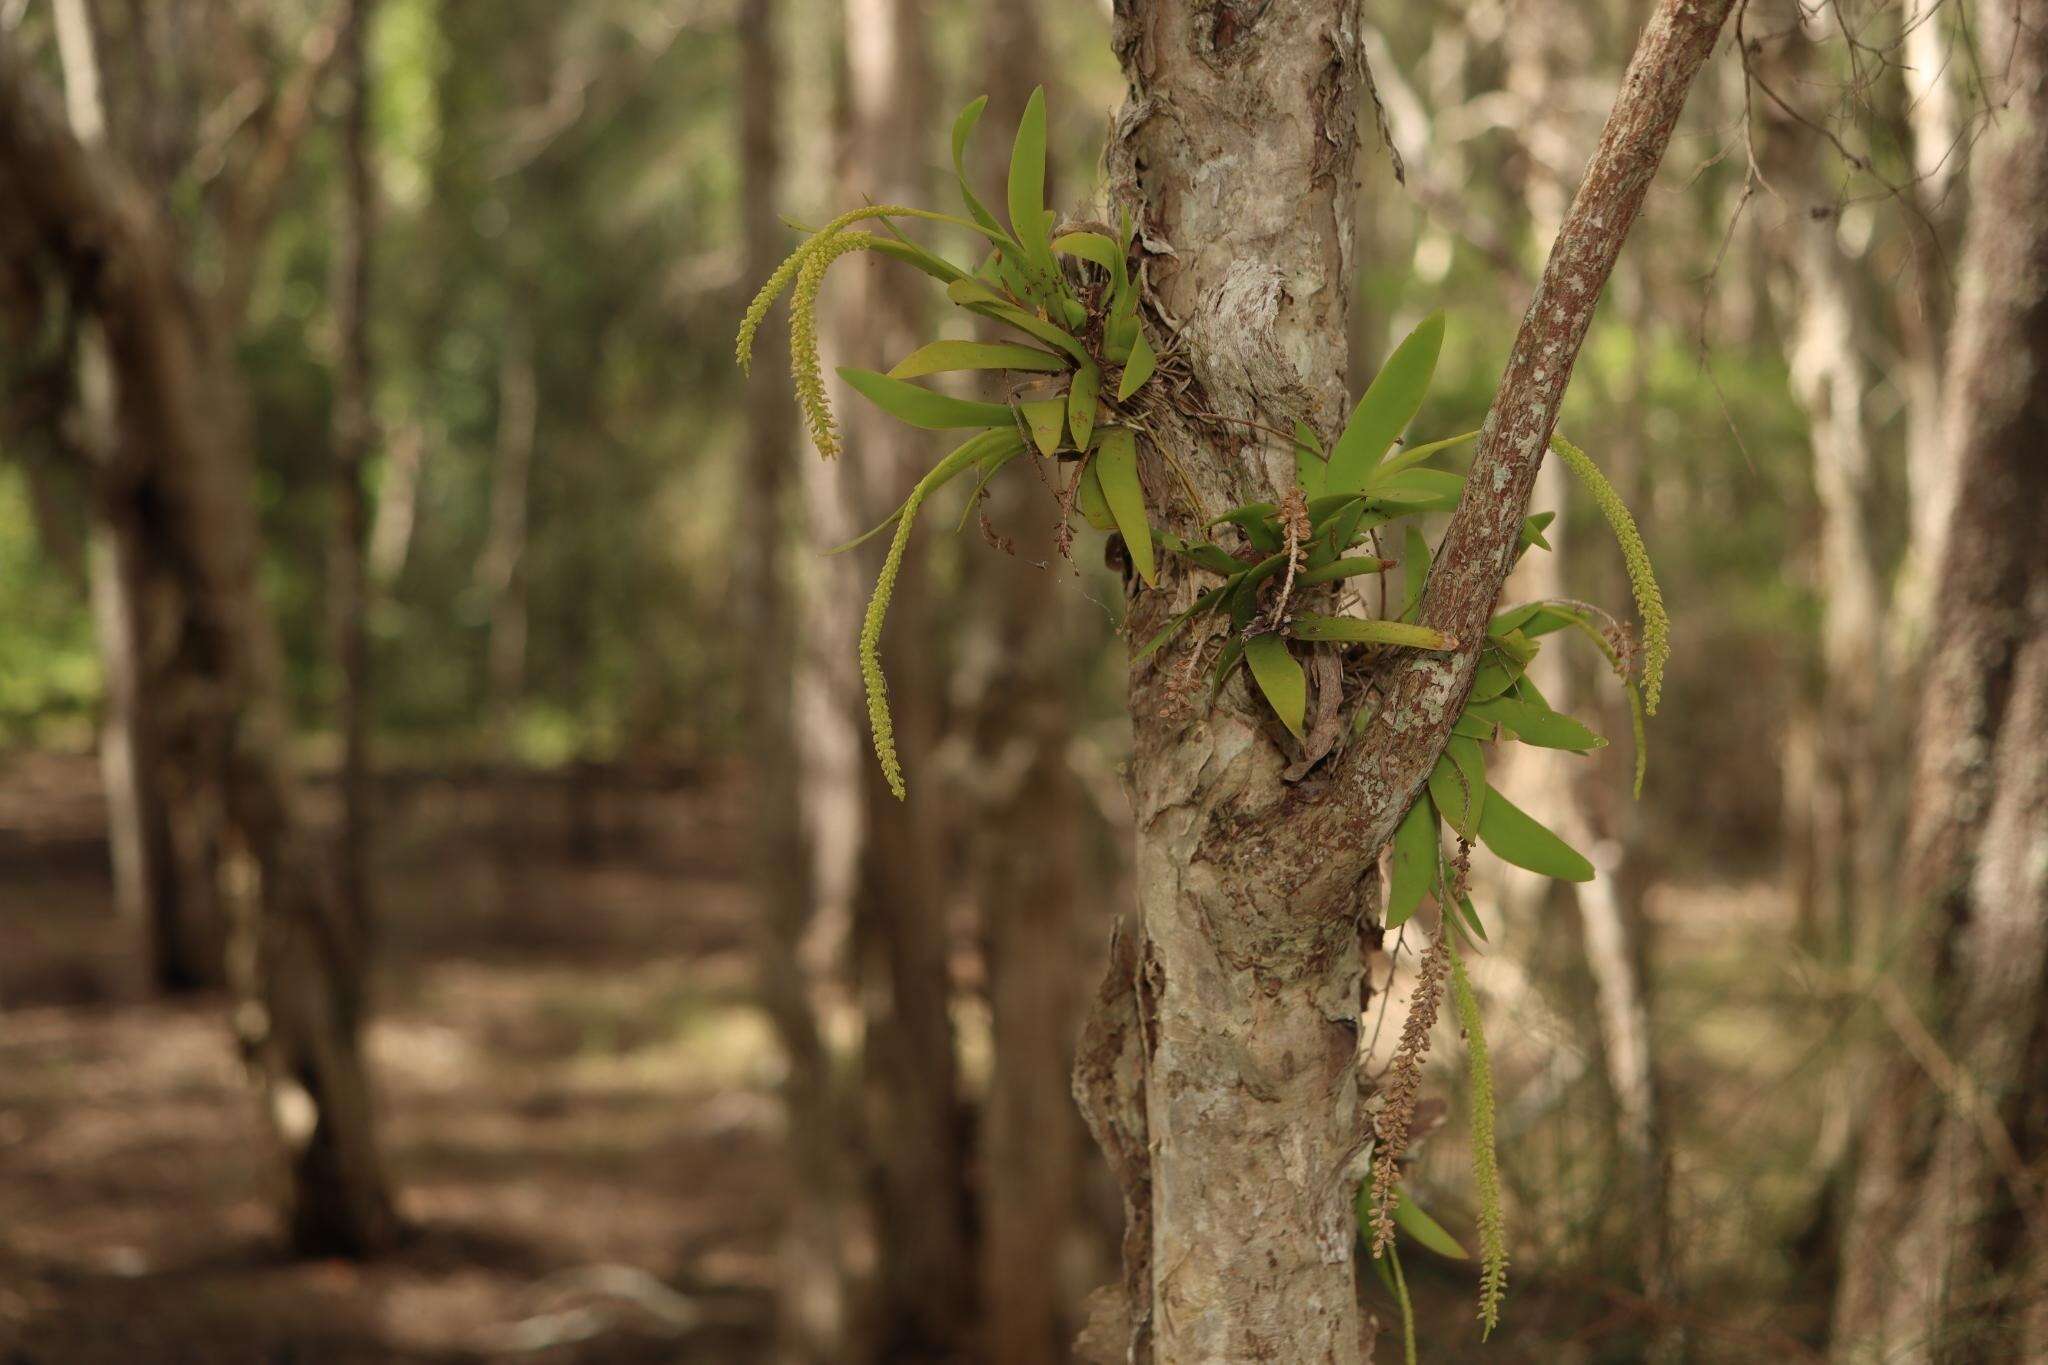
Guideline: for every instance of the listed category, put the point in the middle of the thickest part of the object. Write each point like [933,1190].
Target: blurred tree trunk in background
[354,432]
[209,666]
[162,858]
[1946,1252]
[811,1308]
[1841,836]
[916,1134]
[1025,845]
[1931,58]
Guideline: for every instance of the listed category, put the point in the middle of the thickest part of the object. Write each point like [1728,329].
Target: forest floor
[574,1093]
[576,1098]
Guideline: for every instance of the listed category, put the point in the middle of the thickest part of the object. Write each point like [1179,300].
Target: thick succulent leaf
[963,129]
[1351,630]
[1047,419]
[1089,246]
[1414,863]
[921,407]
[1470,724]
[1138,368]
[1415,455]
[1516,838]
[1457,785]
[1410,1218]
[1280,678]
[1414,569]
[1343,568]
[1538,725]
[1472,917]
[1088,498]
[1492,678]
[1256,521]
[1514,618]
[1387,408]
[1081,396]
[938,267]
[1213,557]
[1027,188]
[940,357]
[983,445]
[1116,468]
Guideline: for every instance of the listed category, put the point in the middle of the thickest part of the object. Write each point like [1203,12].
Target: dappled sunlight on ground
[572,1085]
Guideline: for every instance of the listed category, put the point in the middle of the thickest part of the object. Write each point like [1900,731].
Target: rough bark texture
[209,665]
[1236,1011]
[810,1318]
[1946,1254]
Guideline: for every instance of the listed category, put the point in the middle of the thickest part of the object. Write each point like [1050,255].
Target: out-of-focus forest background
[681,1039]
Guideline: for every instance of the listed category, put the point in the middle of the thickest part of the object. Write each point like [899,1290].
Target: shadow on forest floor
[573,1088]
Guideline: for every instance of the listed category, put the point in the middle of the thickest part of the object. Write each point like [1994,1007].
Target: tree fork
[1220,1070]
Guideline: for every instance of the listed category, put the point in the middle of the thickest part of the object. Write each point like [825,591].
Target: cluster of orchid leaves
[1076,394]
[1081,360]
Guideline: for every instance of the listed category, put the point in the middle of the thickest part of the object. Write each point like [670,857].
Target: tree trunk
[1842,822]
[810,1320]
[161,883]
[1220,1070]
[916,1133]
[1946,1255]
[210,667]
[348,579]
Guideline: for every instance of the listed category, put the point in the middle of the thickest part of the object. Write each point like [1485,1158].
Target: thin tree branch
[1334,829]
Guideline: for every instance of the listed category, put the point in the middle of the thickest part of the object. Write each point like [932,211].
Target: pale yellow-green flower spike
[804,369]
[771,290]
[1493,1240]
[871,647]
[1649,600]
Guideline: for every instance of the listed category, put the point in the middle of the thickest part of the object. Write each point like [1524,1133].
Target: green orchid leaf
[1351,630]
[1414,862]
[1492,678]
[963,129]
[1457,785]
[1472,725]
[1138,368]
[1516,838]
[921,407]
[1280,678]
[1089,246]
[1387,408]
[1116,468]
[1027,188]
[1414,569]
[1409,1217]
[1472,917]
[1088,497]
[1046,417]
[1537,725]
[940,357]
[1342,568]
[1415,455]
[1081,404]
